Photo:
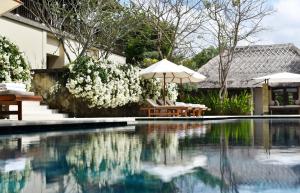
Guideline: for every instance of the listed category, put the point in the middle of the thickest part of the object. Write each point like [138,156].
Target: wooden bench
[11,99]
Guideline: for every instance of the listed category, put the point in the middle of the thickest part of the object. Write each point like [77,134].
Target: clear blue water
[166,157]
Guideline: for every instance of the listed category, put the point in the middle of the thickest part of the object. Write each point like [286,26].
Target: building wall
[117,58]
[30,40]
[258,101]
[40,48]
[55,53]
[262,98]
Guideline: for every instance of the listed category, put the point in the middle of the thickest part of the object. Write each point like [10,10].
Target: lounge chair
[154,109]
[193,109]
[198,110]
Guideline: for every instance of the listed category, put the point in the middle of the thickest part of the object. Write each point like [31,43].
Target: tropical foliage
[13,67]
[204,56]
[236,104]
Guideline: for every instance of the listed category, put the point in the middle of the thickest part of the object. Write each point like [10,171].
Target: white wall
[117,58]
[37,43]
[30,40]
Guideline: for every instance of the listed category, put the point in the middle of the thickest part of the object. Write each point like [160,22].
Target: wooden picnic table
[12,99]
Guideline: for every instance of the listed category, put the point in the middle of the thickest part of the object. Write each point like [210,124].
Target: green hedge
[235,104]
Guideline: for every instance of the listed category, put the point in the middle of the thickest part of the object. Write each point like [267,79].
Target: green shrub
[13,67]
[237,104]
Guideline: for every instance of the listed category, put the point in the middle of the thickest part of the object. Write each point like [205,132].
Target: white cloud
[283,25]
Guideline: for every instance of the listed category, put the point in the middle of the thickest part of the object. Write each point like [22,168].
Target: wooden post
[164,90]
[19,110]
[265,99]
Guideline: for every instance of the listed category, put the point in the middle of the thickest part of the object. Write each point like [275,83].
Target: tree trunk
[223,92]
[64,48]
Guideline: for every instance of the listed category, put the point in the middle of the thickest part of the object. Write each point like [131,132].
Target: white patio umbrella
[283,77]
[167,71]
[8,5]
[194,76]
[167,172]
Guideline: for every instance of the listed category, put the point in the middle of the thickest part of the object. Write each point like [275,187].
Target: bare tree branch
[232,21]
[183,17]
[82,25]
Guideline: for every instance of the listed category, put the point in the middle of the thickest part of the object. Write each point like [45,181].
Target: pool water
[156,157]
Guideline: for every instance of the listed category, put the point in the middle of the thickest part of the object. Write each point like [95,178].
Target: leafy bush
[237,104]
[103,84]
[13,67]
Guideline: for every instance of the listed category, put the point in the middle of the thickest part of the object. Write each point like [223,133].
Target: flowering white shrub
[13,67]
[104,84]
[108,85]
[172,91]
[151,88]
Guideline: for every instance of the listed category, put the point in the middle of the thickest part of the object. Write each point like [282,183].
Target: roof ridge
[267,45]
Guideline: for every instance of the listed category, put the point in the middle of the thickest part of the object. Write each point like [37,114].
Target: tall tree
[183,17]
[204,56]
[81,25]
[141,42]
[233,21]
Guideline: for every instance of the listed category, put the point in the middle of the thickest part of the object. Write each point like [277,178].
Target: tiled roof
[252,62]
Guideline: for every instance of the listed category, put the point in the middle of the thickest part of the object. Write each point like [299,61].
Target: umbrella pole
[164,91]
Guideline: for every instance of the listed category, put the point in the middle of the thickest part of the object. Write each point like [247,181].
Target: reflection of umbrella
[13,165]
[8,5]
[194,76]
[283,77]
[166,70]
[168,172]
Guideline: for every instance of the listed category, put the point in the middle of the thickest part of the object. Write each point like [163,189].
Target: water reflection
[104,160]
[224,156]
[13,175]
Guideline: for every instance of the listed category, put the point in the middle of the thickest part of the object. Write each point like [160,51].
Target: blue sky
[283,26]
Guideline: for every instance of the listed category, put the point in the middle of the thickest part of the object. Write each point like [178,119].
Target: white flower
[117,89]
[80,80]
[88,79]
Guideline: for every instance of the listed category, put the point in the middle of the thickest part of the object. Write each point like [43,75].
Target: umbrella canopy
[8,5]
[164,69]
[194,76]
[283,77]
[170,72]
[167,172]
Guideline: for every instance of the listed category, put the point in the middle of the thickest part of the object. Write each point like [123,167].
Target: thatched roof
[252,62]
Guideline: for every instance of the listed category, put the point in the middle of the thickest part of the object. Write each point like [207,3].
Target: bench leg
[19,110]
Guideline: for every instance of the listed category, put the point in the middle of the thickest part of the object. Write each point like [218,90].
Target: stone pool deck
[13,126]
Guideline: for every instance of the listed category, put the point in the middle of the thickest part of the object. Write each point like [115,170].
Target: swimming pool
[153,157]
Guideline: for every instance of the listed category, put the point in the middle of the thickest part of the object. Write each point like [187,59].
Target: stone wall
[44,83]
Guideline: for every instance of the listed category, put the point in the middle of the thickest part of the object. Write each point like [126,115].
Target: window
[284,96]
